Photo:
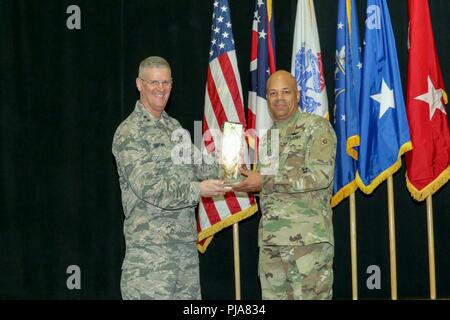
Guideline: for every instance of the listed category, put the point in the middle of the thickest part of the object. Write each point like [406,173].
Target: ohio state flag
[428,163]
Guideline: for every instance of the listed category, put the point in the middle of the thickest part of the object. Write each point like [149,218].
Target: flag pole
[393,258]
[431,263]
[237,273]
[353,247]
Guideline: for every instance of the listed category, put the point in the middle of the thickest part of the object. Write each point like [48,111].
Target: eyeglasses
[156,83]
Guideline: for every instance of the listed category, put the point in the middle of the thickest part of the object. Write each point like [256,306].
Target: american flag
[262,65]
[223,102]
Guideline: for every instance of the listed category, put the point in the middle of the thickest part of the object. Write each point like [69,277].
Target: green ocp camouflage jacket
[296,192]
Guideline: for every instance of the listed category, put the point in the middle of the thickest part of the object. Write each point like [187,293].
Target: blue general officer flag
[347,92]
[384,132]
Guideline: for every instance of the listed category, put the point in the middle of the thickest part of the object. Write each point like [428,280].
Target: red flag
[223,102]
[428,164]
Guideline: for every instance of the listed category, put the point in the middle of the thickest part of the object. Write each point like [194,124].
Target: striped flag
[384,131]
[307,65]
[223,102]
[428,164]
[262,65]
[348,84]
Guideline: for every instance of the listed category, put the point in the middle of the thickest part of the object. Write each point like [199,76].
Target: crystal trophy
[230,158]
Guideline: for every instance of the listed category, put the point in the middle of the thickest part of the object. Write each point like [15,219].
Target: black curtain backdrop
[63,93]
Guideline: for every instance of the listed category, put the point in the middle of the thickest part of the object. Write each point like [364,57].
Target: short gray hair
[153,62]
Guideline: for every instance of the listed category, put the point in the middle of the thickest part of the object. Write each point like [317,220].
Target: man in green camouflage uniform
[159,194]
[296,231]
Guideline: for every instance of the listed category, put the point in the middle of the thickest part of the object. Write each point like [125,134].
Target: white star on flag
[262,34]
[340,25]
[433,98]
[385,98]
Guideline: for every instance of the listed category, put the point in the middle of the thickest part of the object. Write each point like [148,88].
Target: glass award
[230,158]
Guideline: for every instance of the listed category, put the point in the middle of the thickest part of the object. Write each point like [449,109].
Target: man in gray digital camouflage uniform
[159,195]
[296,231]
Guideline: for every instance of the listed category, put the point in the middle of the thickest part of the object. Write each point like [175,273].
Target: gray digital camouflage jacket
[158,195]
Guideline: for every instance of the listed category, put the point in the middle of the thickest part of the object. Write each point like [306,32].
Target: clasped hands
[252,183]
